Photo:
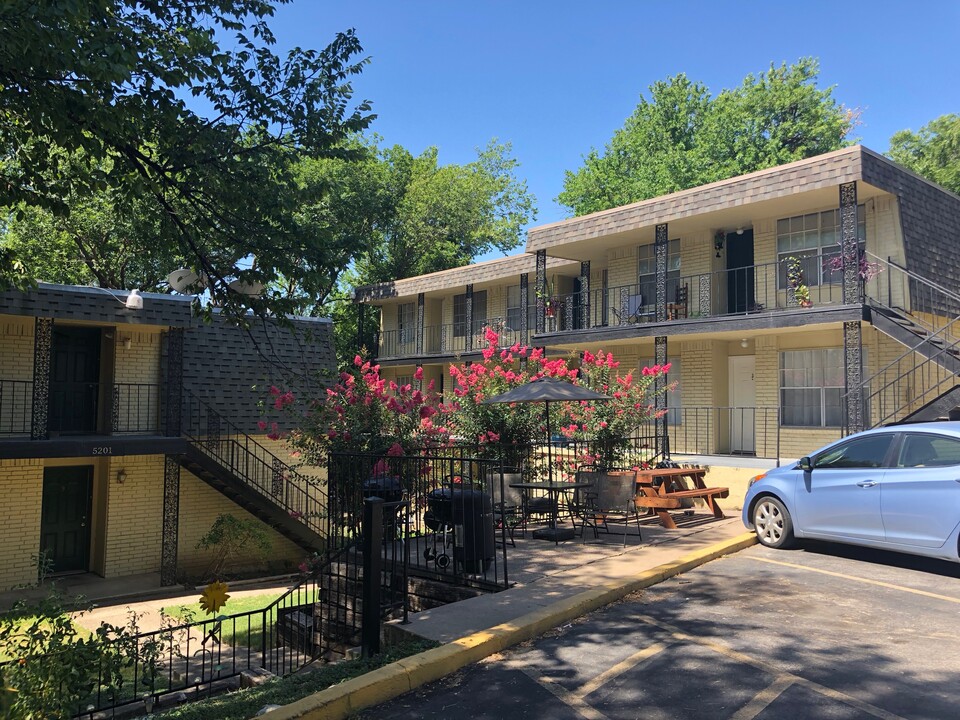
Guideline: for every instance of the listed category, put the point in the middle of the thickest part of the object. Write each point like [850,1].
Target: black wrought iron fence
[135,408]
[16,407]
[452,533]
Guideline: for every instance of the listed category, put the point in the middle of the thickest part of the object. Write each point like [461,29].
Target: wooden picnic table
[664,489]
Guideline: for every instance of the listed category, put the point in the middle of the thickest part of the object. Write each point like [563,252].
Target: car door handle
[867,483]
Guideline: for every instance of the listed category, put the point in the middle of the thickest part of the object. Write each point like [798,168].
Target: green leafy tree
[683,137]
[933,152]
[110,78]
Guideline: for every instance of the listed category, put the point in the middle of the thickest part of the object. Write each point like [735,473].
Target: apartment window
[811,387]
[647,271]
[460,313]
[404,380]
[814,239]
[407,322]
[674,399]
[514,308]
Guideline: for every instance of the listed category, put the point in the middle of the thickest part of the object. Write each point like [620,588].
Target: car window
[919,450]
[865,452]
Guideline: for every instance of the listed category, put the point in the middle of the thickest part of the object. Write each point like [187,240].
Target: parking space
[821,632]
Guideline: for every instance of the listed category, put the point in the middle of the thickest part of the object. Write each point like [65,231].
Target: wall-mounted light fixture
[127,343]
[718,241]
[121,476]
[744,343]
[740,231]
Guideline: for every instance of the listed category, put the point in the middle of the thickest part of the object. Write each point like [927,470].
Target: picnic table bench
[663,496]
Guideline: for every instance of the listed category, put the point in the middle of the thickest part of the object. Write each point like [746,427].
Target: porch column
[849,243]
[524,309]
[418,384]
[660,247]
[585,294]
[174,394]
[420,302]
[171,521]
[541,318]
[854,419]
[468,312]
[42,349]
[660,397]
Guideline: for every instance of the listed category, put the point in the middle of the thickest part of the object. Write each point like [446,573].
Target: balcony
[445,340]
[724,293]
[82,408]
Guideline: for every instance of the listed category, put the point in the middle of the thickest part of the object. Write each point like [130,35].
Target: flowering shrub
[500,427]
[606,427]
[365,413]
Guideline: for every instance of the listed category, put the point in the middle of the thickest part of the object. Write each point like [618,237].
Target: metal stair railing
[911,379]
[302,497]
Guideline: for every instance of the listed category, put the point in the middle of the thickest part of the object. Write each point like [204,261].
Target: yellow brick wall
[16,348]
[200,505]
[21,482]
[134,516]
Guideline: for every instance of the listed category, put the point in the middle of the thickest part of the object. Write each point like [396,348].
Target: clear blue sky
[557,78]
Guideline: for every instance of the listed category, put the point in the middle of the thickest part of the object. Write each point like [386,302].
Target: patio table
[662,498]
[551,532]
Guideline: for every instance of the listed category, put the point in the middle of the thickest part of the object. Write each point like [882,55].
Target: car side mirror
[806,464]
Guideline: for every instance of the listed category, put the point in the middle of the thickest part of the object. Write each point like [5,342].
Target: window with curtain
[674,398]
[811,387]
[814,239]
[647,271]
[514,309]
[460,328]
[407,322]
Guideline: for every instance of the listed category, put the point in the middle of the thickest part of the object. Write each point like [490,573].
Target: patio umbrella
[547,390]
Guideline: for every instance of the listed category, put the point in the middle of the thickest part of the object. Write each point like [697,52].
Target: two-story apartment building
[794,303]
[125,430]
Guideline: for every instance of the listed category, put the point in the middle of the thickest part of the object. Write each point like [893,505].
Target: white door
[741,418]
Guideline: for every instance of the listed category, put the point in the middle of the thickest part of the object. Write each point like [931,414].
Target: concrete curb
[397,678]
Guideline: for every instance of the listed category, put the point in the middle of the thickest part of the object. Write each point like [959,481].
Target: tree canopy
[93,99]
[682,136]
[933,152]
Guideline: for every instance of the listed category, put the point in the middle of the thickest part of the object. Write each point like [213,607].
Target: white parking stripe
[867,581]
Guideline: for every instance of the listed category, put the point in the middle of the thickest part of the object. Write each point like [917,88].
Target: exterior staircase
[924,318]
[246,472]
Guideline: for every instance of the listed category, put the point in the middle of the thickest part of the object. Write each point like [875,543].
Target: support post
[468,312]
[660,247]
[42,352]
[585,294]
[372,572]
[660,398]
[854,420]
[541,319]
[420,304]
[524,309]
[174,389]
[850,244]
[171,521]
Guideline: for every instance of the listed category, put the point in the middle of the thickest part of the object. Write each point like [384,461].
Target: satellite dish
[251,289]
[182,280]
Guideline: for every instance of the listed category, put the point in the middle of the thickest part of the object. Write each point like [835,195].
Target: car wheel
[772,522]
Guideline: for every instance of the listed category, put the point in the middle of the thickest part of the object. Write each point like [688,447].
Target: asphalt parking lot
[825,631]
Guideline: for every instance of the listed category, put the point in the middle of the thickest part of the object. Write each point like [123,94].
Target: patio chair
[634,314]
[507,501]
[678,308]
[612,501]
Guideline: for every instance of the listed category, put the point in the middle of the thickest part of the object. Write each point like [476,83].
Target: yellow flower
[214,597]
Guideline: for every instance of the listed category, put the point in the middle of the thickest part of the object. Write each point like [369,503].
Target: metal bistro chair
[612,501]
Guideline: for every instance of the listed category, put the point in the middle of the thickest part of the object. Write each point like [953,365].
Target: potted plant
[801,292]
[551,301]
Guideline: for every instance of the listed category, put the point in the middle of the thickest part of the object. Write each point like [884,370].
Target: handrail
[893,263]
[302,497]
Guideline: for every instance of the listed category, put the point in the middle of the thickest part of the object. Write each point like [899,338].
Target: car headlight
[756,479]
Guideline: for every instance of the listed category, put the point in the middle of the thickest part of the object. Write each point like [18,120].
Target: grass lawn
[234,632]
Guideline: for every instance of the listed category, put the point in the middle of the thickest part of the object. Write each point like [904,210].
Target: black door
[65,517]
[740,272]
[74,380]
